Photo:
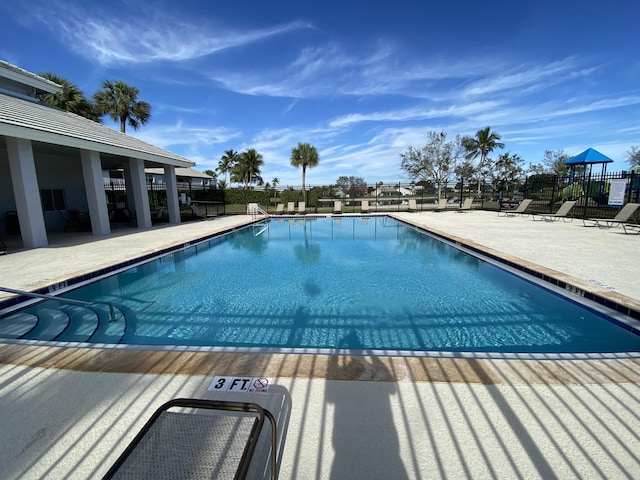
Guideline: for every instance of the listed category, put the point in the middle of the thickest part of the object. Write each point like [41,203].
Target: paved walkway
[67,413]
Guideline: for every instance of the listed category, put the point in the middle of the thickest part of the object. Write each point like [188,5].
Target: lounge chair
[442,205]
[158,216]
[623,216]
[280,209]
[196,211]
[337,206]
[364,206]
[76,220]
[631,228]
[302,208]
[291,207]
[412,205]
[466,205]
[520,210]
[562,212]
[195,438]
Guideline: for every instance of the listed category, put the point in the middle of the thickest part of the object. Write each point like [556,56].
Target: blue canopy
[589,156]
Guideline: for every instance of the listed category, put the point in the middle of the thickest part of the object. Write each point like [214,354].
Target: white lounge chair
[291,207]
[442,205]
[364,206]
[302,208]
[280,209]
[196,211]
[561,213]
[412,205]
[520,210]
[337,206]
[466,205]
[623,216]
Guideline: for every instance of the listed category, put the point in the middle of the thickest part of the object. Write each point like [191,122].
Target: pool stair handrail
[112,314]
[254,210]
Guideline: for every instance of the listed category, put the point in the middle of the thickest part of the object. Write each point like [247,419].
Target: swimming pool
[327,283]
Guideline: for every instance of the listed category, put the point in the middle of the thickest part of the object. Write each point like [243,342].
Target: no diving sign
[240,384]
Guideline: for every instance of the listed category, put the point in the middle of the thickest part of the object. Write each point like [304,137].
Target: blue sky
[359,80]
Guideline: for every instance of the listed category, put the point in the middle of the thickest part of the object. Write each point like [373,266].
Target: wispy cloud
[417,113]
[142,36]
[178,134]
[334,70]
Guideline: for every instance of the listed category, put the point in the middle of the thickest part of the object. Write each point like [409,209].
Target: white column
[139,191]
[26,192]
[173,202]
[94,186]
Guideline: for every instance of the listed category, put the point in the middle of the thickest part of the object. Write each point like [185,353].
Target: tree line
[437,162]
[245,168]
[467,158]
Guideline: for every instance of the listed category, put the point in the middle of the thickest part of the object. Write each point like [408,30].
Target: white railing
[255,211]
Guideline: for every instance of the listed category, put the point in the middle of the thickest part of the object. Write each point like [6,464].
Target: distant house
[391,191]
[52,161]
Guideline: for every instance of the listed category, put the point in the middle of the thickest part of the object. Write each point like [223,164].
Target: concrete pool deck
[68,412]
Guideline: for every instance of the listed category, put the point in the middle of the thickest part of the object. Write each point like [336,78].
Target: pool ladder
[255,211]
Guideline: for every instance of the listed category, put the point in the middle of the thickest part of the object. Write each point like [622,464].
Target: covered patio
[52,161]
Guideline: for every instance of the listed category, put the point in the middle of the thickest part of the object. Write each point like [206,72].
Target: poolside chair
[364,206]
[280,209]
[520,210]
[561,213]
[412,205]
[196,211]
[466,205]
[158,216]
[291,207]
[442,205]
[337,206]
[631,228]
[302,208]
[623,216]
[196,438]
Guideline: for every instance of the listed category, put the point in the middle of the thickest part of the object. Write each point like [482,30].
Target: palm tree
[69,98]
[247,170]
[120,102]
[227,162]
[304,155]
[481,145]
[274,184]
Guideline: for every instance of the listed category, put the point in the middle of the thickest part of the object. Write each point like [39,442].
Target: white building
[52,160]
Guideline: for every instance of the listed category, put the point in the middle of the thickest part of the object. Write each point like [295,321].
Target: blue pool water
[346,282]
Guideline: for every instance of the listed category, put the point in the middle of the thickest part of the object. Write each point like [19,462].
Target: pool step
[108,331]
[55,321]
[51,323]
[17,324]
[83,323]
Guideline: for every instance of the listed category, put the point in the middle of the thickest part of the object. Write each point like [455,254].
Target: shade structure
[589,156]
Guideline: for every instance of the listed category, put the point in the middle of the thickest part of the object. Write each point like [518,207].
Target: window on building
[52,199]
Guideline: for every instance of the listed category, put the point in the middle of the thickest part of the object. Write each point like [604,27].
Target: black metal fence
[592,192]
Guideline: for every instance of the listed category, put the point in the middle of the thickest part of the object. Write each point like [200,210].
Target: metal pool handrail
[112,314]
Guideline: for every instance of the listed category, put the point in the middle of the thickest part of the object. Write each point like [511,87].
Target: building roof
[23,116]
[42,123]
[18,75]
